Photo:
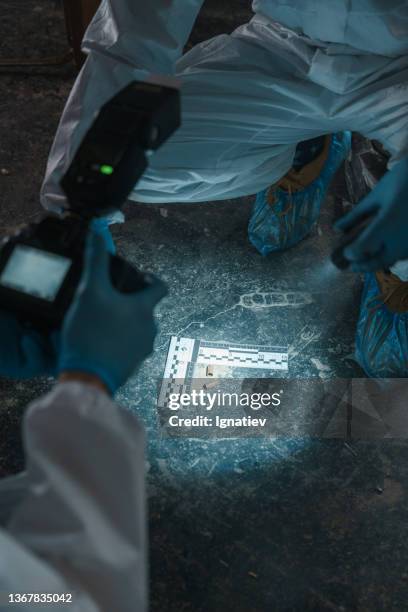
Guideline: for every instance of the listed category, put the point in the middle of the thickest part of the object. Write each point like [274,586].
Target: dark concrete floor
[243,525]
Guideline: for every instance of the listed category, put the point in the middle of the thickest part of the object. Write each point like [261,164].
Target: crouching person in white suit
[269,110]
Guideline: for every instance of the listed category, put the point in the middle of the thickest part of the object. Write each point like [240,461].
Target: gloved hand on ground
[25,353]
[385,239]
[107,333]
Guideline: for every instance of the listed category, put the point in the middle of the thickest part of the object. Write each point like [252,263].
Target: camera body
[41,267]
[41,264]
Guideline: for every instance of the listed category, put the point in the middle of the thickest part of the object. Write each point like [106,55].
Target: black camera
[41,264]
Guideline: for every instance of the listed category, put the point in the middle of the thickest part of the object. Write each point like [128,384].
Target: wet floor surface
[289,523]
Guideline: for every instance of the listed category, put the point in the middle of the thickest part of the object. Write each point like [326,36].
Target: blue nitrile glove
[101,226]
[107,333]
[385,240]
[25,353]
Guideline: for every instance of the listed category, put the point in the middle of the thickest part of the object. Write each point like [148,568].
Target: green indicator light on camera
[108,170]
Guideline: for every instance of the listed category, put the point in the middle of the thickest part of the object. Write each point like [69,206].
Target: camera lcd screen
[34,272]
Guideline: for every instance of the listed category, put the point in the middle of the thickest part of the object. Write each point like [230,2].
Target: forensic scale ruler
[185,354]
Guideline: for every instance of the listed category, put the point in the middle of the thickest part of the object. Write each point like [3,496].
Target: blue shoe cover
[281,225]
[382,336]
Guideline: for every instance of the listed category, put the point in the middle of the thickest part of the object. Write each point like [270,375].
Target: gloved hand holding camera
[105,333]
[108,333]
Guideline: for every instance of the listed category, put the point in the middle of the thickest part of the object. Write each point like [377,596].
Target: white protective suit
[297,70]
[79,522]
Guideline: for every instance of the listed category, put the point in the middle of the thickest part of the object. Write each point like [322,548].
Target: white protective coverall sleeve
[81,526]
[127,40]
[247,98]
